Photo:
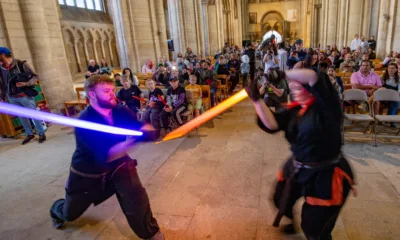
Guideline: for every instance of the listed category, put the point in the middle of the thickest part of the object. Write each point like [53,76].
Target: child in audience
[176,104]
[197,95]
[127,94]
[154,106]
[245,69]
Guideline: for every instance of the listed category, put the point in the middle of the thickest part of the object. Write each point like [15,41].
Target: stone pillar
[367,18]
[86,50]
[159,10]
[204,16]
[342,22]
[102,48]
[78,60]
[96,56]
[176,24]
[52,69]
[382,29]
[111,52]
[354,24]
[155,31]
[332,19]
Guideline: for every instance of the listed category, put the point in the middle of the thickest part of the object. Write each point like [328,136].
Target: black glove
[253,91]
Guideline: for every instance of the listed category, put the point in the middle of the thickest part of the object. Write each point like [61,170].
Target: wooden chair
[205,89]
[340,74]
[347,74]
[224,87]
[189,114]
[81,103]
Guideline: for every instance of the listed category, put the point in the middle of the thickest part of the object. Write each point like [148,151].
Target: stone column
[342,22]
[367,18]
[96,56]
[102,48]
[52,69]
[176,24]
[111,52]
[382,29]
[332,19]
[354,24]
[86,50]
[159,9]
[78,60]
[204,16]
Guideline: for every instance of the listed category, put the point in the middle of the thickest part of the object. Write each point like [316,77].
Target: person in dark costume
[101,166]
[317,169]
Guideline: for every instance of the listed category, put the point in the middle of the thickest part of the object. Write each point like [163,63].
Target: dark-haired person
[390,80]
[131,76]
[101,166]
[317,169]
[16,83]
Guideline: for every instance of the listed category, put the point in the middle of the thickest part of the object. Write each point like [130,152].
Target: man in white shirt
[355,43]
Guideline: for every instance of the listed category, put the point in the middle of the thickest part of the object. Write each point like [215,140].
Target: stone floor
[214,185]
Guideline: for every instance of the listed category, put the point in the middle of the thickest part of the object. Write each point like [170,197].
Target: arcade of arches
[58,40]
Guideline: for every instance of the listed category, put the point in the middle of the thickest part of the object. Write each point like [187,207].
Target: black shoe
[58,223]
[28,139]
[289,229]
[42,138]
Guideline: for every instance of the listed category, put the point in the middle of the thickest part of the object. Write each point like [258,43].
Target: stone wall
[87,34]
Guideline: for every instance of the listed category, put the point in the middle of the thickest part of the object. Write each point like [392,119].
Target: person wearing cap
[317,170]
[176,104]
[297,55]
[18,79]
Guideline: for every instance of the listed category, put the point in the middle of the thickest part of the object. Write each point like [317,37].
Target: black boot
[42,138]
[289,229]
[28,139]
[56,222]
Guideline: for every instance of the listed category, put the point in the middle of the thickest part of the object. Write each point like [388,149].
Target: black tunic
[92,147]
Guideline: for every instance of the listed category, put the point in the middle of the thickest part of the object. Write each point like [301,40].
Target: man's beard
[107,104]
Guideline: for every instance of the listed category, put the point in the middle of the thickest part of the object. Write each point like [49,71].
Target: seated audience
[176,104]
[128,92]
[336,81]
[131,76]
[93,69]
[148,67]
[368,81]
[161,77]
[347,65]
[104,68]
[197,95]
[209,77]
[390,80]
[154,106]
[371,53]
[322,58]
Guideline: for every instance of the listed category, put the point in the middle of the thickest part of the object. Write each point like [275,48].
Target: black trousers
[175,113]
[81,192]
[317,222]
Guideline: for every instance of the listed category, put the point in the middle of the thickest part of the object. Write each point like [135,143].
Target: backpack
[24,77]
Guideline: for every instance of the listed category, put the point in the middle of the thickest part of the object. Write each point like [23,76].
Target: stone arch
[273,19]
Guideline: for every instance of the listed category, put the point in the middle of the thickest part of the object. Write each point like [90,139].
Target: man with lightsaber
[101,166]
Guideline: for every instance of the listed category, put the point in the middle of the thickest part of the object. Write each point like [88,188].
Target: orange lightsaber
[203,118]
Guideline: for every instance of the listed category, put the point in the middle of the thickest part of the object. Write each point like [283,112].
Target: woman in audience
[104,68]
[148,67]
[390,80]
[390,58]
[129,74]
[371,53]
[317,169]
[197,95]
[334,48]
